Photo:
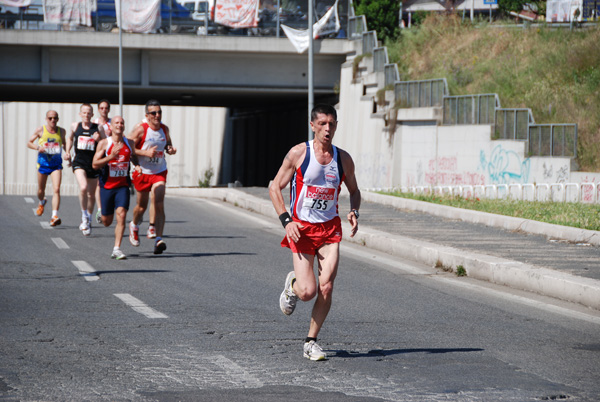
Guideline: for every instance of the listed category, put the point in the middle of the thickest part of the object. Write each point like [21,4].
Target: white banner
[564,10]
[15,3]
[237,13]
[142,16]
[72,12]
[328,24]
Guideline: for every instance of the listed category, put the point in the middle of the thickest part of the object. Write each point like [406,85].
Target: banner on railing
[15,3]
[142,16]
[71,12]
[328,24]
[237,13]
[564,10]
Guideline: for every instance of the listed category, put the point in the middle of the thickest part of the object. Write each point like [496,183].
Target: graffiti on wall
[505,166]
[444,171]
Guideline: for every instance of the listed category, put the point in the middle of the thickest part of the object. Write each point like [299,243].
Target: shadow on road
[390,352]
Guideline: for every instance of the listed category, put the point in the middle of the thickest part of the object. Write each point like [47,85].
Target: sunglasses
[52,118]
[156,112]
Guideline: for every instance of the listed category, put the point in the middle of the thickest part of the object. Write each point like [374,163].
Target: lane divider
[139,306]
[60,243]
[86,270]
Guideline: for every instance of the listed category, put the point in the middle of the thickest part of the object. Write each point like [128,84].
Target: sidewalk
[562,262]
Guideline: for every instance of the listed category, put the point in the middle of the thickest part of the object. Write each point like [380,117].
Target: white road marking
[86,270]
[29,200]
[60,243]
[140,306]
[46,225]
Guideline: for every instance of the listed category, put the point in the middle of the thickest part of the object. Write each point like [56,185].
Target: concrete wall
[197,133]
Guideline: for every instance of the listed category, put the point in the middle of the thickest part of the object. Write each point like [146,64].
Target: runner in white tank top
[153,138]
[315,188]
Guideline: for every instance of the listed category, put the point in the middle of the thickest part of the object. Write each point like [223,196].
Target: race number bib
[52,148]
[85,143]
[118,169]
[319,198]
[160,155]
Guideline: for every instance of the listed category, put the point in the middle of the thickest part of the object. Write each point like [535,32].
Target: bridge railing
[553,140]
[423,93]
[470,109]
[357,26]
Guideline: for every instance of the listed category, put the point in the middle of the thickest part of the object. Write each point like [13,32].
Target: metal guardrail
[369,42]
[391,74]
[543,192]
[380,58]
[423,93]
[357,26]
[470,109]
[513,124]
[552,139]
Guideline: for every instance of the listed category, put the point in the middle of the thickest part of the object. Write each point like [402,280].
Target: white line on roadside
[46,225]
[60,243]
[140,306]
[86,270]
[29,200]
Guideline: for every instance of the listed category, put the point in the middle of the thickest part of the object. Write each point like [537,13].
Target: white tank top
[152,138]
[315,188]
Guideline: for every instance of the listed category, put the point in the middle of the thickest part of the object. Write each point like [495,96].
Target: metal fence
[513,124]
[380,58]
[470,109]
[357,26]
[423,93]
[553,140]
[369,42]
[391,74]
[191,17]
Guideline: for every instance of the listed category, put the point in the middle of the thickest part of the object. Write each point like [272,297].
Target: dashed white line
[29,200]
[140,306]
[46,225]
[60,243]
[86,270]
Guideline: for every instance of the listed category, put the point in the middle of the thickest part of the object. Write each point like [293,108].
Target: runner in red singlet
[315,171]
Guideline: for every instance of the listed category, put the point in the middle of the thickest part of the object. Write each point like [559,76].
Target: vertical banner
[142,16]
[72,12]
[237,13]
[328,24]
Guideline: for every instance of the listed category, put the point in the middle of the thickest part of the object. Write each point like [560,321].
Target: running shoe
[288,299]
[151,232]
[159,247]
[99,217]
[118,255]
[40,209]
[313,351]
[86,227]
[134,237]
[55,221]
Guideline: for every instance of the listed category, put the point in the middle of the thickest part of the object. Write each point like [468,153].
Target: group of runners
[314,170]
[101,155]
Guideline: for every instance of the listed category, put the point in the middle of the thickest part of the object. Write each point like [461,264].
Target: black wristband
[285,218]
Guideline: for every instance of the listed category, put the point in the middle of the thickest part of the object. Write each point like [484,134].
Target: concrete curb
[497,270]
[534,227]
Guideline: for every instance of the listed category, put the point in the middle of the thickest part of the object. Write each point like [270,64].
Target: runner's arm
[32,143]
[134,138]
[100,160]
[69,141]
[352,186]
[169,148]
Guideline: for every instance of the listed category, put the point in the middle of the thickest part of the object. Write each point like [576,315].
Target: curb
[514,274]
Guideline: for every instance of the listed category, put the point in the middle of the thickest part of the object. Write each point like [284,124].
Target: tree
[381,15]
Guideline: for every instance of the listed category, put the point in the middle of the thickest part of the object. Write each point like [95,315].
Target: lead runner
[315,169]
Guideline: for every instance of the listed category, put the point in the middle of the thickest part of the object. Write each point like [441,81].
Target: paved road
[201,322]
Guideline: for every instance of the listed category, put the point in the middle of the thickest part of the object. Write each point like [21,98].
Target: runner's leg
[120,227]
[158,202]
[140,206]
[56,177]
[328,256]
[42,179]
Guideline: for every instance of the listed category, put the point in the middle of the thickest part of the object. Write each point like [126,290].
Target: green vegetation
[461,271]
[208,174]
[382,16]
[554,72]
[579,215]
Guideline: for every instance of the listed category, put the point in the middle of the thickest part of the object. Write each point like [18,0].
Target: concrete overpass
[230,71]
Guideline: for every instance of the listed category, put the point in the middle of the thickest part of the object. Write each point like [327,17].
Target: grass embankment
[584,216]
[554,72]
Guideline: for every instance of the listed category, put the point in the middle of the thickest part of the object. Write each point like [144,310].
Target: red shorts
[143,182]
[315,235]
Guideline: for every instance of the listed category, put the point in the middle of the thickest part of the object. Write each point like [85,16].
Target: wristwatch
[355,213]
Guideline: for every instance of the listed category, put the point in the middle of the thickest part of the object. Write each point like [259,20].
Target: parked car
[175,17]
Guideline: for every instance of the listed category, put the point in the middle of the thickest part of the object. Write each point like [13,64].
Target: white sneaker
[288,299]
[118,255]
[134,238]
[99,217]
[313,351]
[86,227]
[151,232]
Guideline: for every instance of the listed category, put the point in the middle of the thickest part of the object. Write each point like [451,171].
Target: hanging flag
[237,13]
[328,24]
[72,12]
[15,3]
[142,16]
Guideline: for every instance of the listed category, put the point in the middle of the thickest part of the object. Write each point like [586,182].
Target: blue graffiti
[505,167]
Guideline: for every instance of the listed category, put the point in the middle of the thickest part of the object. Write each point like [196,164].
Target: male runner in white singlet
[151,142]
[315,170]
